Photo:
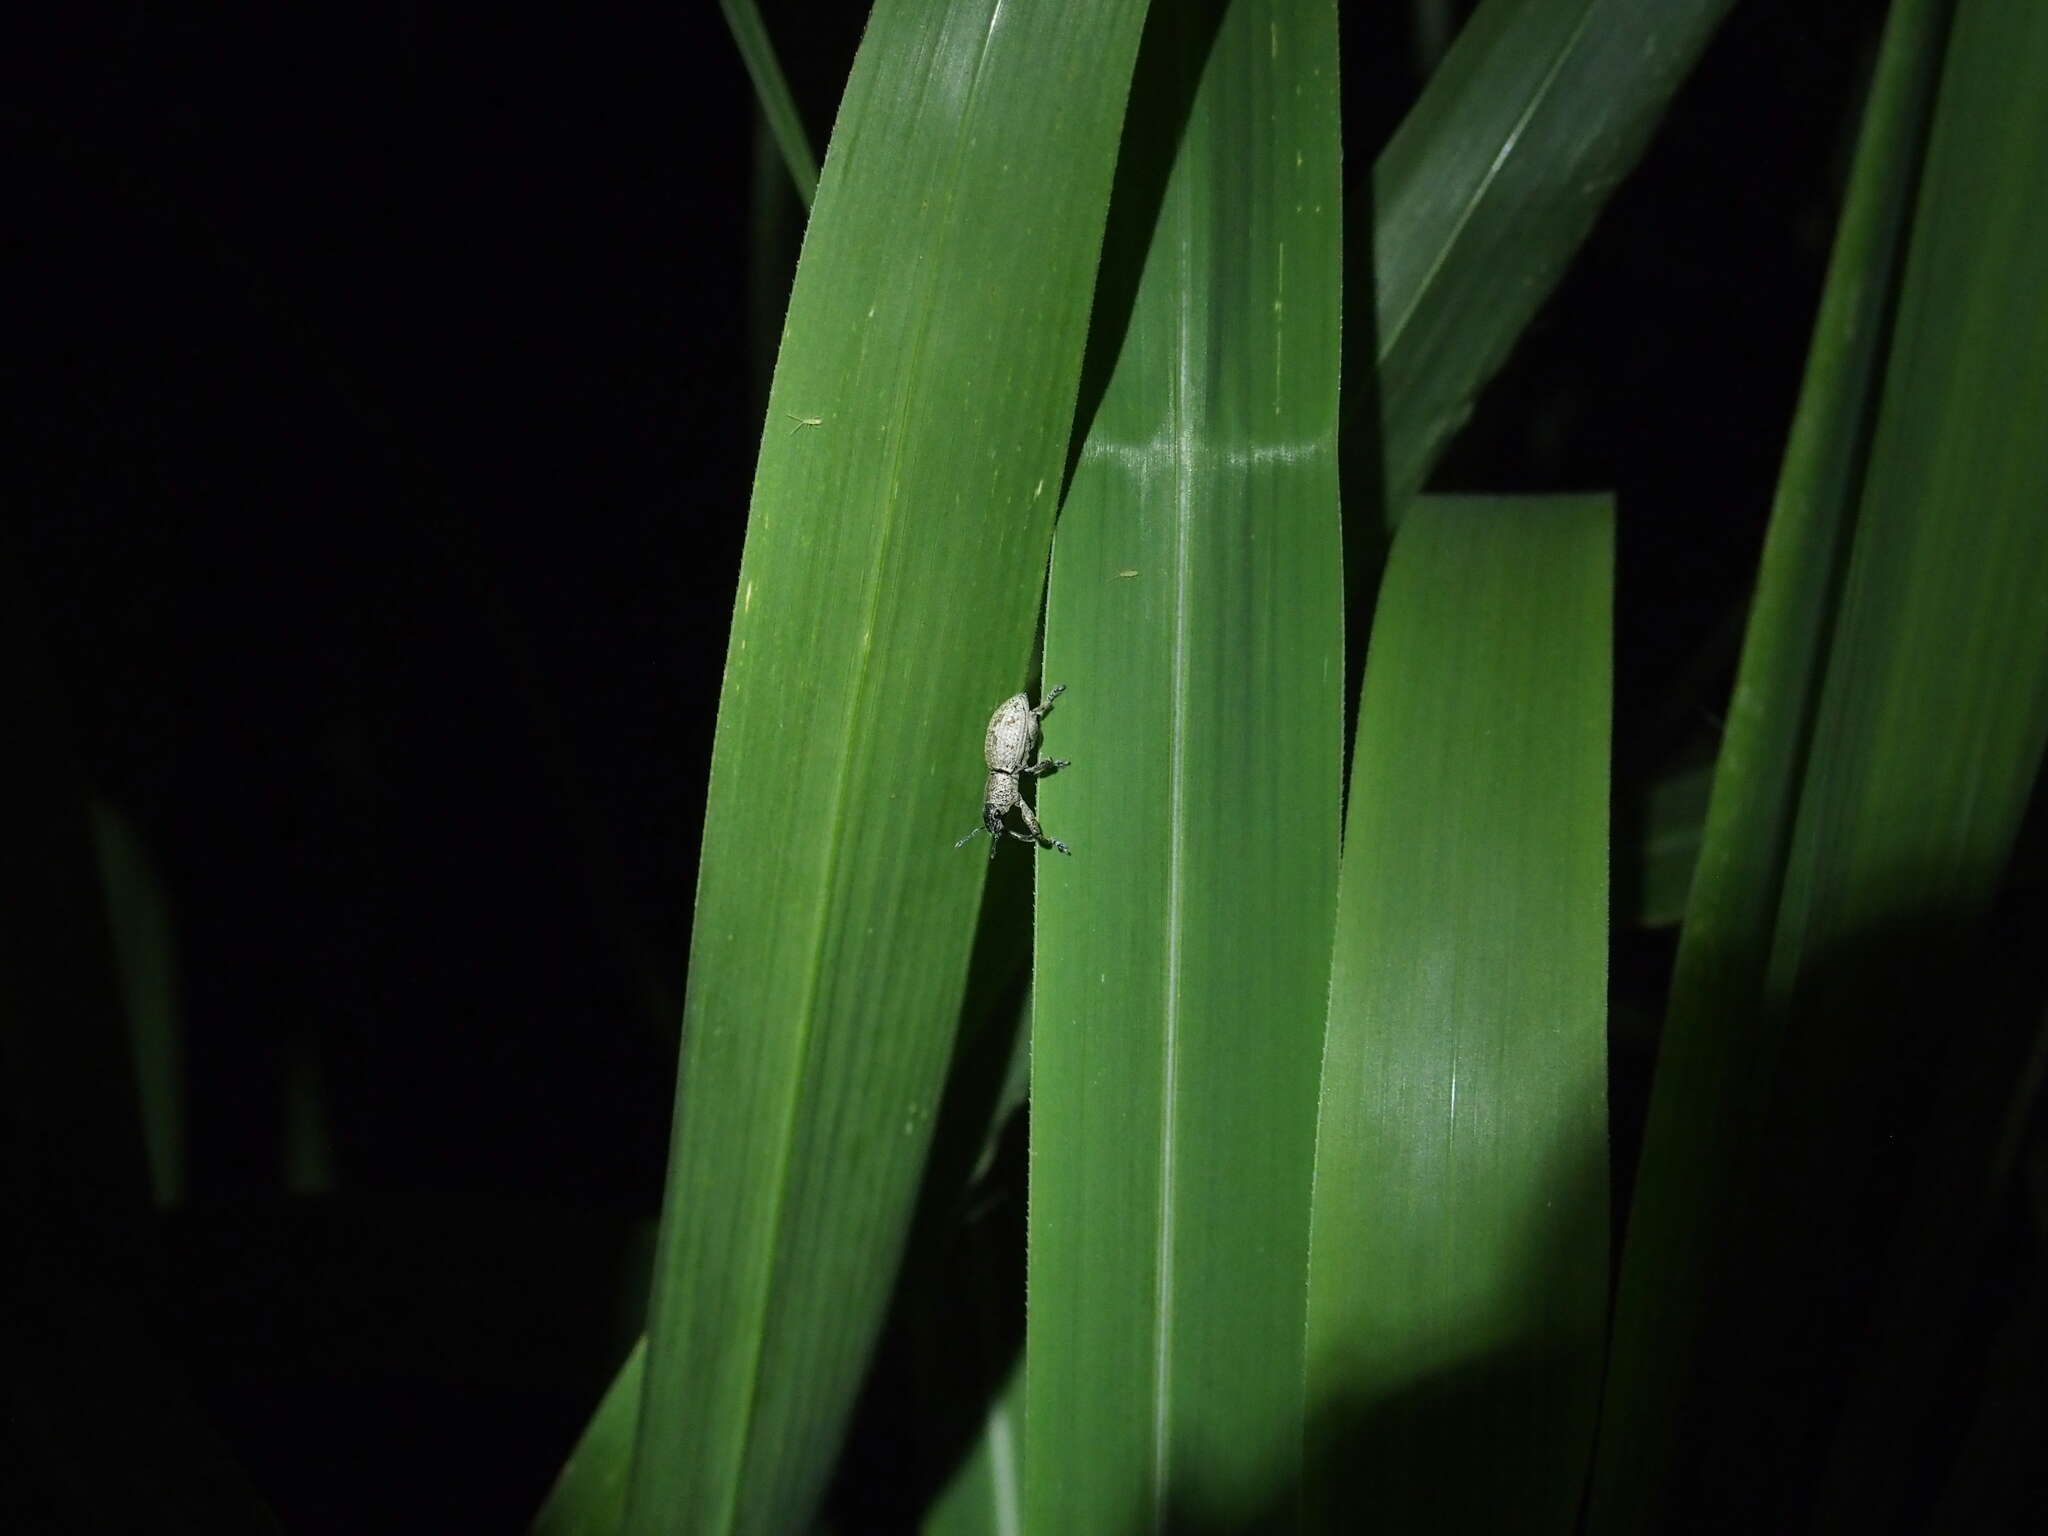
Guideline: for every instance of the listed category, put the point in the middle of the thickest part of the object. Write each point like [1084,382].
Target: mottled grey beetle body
[1012,739]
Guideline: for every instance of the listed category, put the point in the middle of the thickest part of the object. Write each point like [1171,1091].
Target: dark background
[387,387]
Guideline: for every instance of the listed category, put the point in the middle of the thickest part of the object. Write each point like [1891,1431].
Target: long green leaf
[901,517]
[1482,197]
[1194,614]
[1927,745]
[1709,1093]
[1457,1283]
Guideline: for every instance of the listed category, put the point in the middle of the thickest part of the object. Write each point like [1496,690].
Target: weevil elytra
[1011,740]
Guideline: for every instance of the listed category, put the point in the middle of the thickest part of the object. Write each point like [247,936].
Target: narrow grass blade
[771,90]
[1482,196]
[139,924]
[986,1496]
[1714,1069]
[85,1393]
[963,1305]
[1182,951]
[77,1181]
[589,1496]
[1666,846]
[900,524]
[774,233]
[1458,1276]
[954,1342]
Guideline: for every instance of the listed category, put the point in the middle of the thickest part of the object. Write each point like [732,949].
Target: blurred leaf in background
[1490,186]
[1887,731]
[87,1385]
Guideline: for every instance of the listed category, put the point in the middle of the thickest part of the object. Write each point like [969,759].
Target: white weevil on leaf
[1011,740]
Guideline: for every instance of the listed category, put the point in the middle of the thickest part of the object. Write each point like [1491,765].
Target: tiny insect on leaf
[1009,747]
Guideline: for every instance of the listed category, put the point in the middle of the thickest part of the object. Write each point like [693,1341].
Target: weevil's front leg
[1037,832]
[1047,764]
[1046,703]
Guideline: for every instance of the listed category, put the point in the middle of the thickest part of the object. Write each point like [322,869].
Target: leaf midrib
[1182,438]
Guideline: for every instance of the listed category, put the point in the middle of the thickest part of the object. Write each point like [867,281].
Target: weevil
[1012,738]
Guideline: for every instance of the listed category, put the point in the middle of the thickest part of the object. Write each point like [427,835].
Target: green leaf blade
[771,91]
[1932,722]
[1457,1283]
[589,1495]
[902,508]
[1195,613]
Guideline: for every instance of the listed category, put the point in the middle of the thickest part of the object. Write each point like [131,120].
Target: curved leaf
[901,515]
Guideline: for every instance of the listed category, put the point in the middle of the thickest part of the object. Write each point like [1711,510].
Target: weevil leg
[1038,834]
[1046,765]
[1046,703]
